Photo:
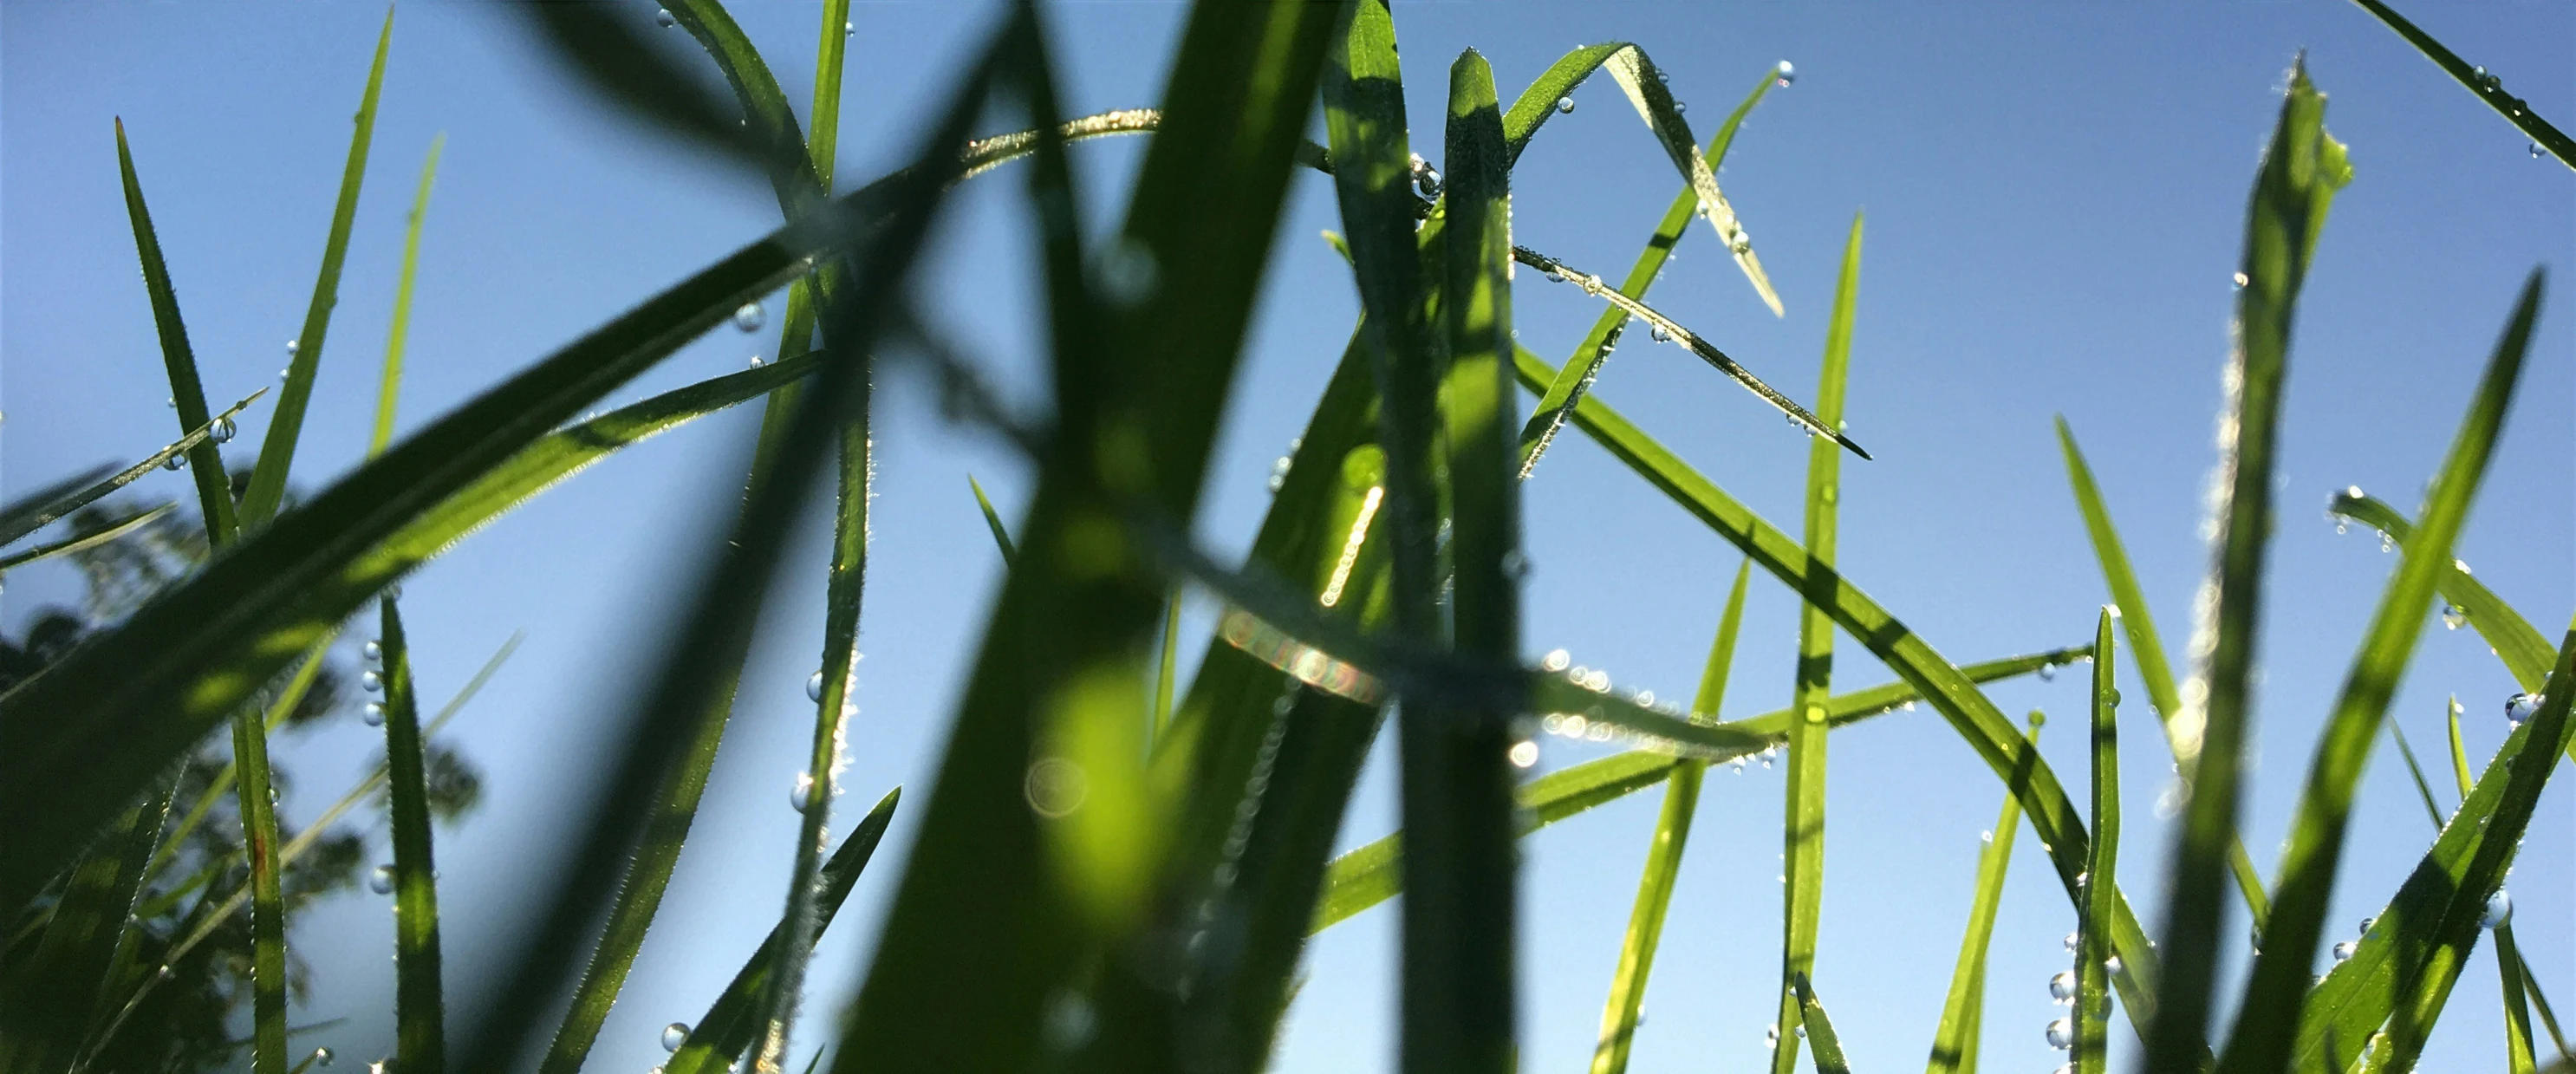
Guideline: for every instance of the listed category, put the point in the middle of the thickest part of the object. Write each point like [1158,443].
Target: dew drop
[1680,107]
[750,316]
[1596,680]
[2535,151]
[2048,673]
[2073,943]
[1801,1031]
[371,682]
[382,880]
[757,362]
[2062,987]
[1771,1037]
[1128,272]
[849,29]
[1785,73]
[664,17]
[814,687]
[373,715]
[2061,1034]
[2499,910]
[1986,836]
[2367,924]
[2343,951]
[1426,179]
[2454,616]
[175,462]
[1055,787]
[1516,565]
[675,1035]
[322,1057]
[374,650]
[1556,660]
[223,431]
[1565,106]
[2519,707]
[1659,335]
[801,792]
[2111,965]
[1524,753]
[293,346]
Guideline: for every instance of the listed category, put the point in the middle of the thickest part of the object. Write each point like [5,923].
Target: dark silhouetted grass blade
[420,1005]
[1956,1038]
[53,990]
[2488,87]
[1001,536]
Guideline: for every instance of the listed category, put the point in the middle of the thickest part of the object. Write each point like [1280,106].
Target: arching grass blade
[420,1005]
[2489,88]
[1956,1038]
[2525,653]
[396,336]
[2093,947]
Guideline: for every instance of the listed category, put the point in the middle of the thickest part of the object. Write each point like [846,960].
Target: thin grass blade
[2431,810]
[52,991]
[85,541]
[277,452]
[993,519]
[2489,88]
[420,1005]
[1955,1039]
[33,519]
[15,514]
[2093,947]
[391,383]
[2516,642]
[258,807]
[2517,1006]
[187,392]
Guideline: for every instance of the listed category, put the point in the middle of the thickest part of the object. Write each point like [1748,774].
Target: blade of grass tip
[2459,750]
[793,174]
[2292,190]
[1001,536]
[1585,365]
[2431,810]
[2148,647]
[1644,85]
[1968,711]
[85,541]
[732,1023]
[401,330]
[53,989]
[2517,1009]
[2282,972]
[2402,970]
[277,452]
[2525,653]
[1955,1039]
[267,906]
[2096,963]
[420,1006]
[1819,1029]
[2488,87]
[1627,1002]
[187,392]
[1803,807]
[32,520]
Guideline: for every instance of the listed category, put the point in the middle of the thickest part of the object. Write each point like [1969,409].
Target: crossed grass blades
[1123,869]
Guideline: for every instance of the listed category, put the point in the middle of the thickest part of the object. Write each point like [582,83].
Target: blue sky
[2054,197]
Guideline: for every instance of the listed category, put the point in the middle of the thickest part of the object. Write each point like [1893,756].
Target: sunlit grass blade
[2149,650]
[1968,710]
[2517,1007]
[1627,1000]
[1666,327]
[93,539]
[391,383]
[420,1005]
[2509,964]
[992,519]
[52,991]
[2489,88]
[187,392]
[1820,1030]
[2402,970]
[2281,974]
[2431,809]
[1558,402]
[257,805]
[2292,190]
[35,518]
[277,451]
[1803,793]
[732,1024]
[2525,653]
[1955,1040]
[2092,1012]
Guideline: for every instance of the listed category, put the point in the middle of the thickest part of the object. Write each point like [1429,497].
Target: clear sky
[2055,198]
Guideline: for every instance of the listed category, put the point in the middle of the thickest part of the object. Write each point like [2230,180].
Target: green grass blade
[2295,185]
[2517,976]
[187,392]
[51,992]
[1803,835]
[772,126]
[277,452]
[2525,653]
[36,517]
[732,1024]
[391,387]
[15,515]
[287,701]
[2431,809]
[1580,370]
[2489,88]
[1627,1000]
[2148,646]
[1820,1030]
[2459,752]
[2282,974]
[2092,1012]
[2402,970]
[420,1006]
[1955,1039]
[1001,536]
[92,539]
[1167,669]
[258,807]
[2517,1007]
[1967,709]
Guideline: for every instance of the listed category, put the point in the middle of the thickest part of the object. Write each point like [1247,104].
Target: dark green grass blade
[1803,793]
[420,1006]
[1968,710]
[2489,88]
[2516,642]
[2149,649]
[258,807]
[277,452]
[2403,969]
[2093,997]
[992,519]
[187,392]
[2517,976]
[1955,1039]
[771,125]
[15,516]
[287,700]
[2517,1006]
[391,388]
[1369,875]
[1580,370]
[1167,669]
[2431,809]
[2282,973]
[1820,1030]
[36,517]
[90,540]
[1627,1000]
[2292,190]
[732,1024]
[51,994]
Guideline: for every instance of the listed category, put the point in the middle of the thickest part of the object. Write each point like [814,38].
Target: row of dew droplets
[801,794]
[2491,86]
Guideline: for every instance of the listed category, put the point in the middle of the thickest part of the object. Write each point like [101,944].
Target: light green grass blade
[258,808]
[2292,190]
[1580,370]
[1968,710]
[1955,1039]
[2515,641]
[992,519]
[2148,646]
[2282,974]
[420,1005]
[187,392]
[2489,88]
[2517,976]
[2517,1007]
[2431,809]
[1820,1030]
[37,517]
[2401,972]
[85,541]
[1803,793]
[277,452]
[2459,752]
[732,1024]
[52,991]
[1619,1014]
[391,385]
[2093,948]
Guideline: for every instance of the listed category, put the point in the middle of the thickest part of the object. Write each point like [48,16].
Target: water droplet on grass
[175,462]
[2454,616]
[1565,106]
[374,650]
[293,346]
[814,687]
[1785,73]
[2344,950]
[675,1035]
[382,880]
[2499,910]
[664,17]
[802,792]
[373,715]
[749,317]
[371,682]
[2061,988]
[1556,660]
[2061,1034]
[223,431]
[2239,282]
[2073,943]
[322,1057]
[2519,707]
